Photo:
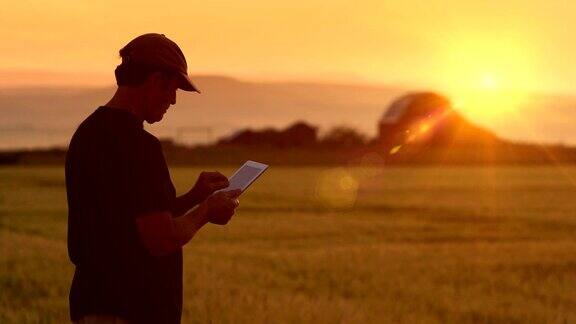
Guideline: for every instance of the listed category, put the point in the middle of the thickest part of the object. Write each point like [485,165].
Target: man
[126,227]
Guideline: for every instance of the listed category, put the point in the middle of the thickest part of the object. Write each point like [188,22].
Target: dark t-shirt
[115,170]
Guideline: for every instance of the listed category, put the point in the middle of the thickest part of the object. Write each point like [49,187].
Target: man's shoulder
[103,124]
[103,132]
[84,132]
[94,122]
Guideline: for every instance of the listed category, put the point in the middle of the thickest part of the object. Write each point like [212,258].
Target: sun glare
[487,78]
[488,82]
[488,105]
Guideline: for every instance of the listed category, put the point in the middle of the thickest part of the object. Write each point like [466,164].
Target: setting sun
[489,82]
[487,105]
[486,77]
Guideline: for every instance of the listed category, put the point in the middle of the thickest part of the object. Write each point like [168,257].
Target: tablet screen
[244,176]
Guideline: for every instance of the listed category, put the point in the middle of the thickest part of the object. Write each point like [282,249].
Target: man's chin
[154,120]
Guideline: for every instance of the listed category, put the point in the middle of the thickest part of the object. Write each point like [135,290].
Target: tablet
[243,177]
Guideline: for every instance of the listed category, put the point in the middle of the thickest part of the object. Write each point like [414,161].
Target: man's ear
[155,79]
[159,80]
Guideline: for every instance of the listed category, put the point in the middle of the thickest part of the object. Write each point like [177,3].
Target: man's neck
[125,99]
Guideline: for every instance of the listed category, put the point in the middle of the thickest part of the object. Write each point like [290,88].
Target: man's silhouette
[126,227]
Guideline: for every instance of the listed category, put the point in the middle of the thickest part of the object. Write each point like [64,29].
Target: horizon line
[70,80]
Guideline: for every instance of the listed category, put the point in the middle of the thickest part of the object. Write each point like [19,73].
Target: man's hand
[207,184]
[220,206]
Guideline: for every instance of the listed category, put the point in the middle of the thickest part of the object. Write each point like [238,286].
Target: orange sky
[439,44]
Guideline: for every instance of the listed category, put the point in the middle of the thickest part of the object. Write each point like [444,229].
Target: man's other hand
[207,184]
[220,206]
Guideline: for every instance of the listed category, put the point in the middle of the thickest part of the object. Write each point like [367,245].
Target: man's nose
[173,98]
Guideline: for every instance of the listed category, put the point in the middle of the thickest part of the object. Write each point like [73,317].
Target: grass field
[322,245]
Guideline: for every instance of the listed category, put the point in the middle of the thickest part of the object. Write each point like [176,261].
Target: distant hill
[43,117]
[224,106]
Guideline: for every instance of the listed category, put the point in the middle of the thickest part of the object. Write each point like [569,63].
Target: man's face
[159,94]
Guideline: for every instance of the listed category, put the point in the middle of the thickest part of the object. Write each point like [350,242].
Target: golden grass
[420,245]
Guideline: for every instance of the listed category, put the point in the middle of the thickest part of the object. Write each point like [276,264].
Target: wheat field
[334,245]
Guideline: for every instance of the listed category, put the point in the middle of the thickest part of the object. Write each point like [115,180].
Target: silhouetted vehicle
[428,119]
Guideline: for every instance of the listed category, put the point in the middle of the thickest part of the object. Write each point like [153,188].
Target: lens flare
[421,130]
[395,149]
[425,127]
[337,188]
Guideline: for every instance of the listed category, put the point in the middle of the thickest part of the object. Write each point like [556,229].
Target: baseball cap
[157,50]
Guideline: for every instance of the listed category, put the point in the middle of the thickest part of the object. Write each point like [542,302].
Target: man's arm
[162,234]
[207,183]
[185,202]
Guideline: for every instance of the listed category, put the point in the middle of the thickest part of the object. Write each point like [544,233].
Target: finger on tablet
[234,193]
[220,184]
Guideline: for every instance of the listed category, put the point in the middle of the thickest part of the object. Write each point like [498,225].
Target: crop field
[334,245]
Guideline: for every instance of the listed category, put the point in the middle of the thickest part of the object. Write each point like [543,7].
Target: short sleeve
[147,179]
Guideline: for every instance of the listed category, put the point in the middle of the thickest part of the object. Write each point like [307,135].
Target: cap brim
[186,84]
